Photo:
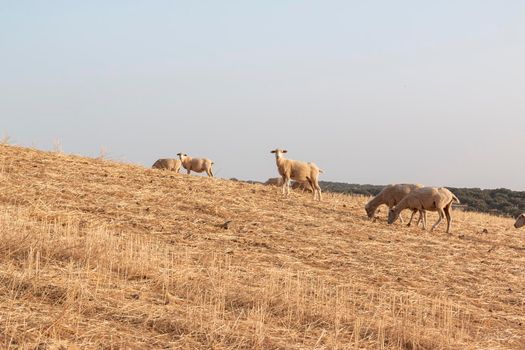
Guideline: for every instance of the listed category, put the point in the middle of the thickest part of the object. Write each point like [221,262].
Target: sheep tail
[321,171]
[455,199]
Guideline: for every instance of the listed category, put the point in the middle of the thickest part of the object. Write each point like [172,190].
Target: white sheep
[298,171]
[423,199]
[197,165]
[520,221]
[390,196]
[167,164]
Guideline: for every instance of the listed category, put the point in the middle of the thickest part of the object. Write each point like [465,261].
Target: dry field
[101,255]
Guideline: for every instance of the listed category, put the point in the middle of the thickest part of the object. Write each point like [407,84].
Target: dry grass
[96,254]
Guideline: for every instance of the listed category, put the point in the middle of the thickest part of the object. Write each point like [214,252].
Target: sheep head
[520,221]
[370,210]
[182,155]
[279,152]
[392,216]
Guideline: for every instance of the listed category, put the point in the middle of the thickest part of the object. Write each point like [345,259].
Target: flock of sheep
[197,165]
[397,198]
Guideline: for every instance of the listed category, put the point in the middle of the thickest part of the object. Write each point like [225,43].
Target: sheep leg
[319,191]
[449,219]
[421,213]
[312,185]
[209,172]
[403,221]
[286,186]
[189,171]
[316,189]
[411,217]
[424,214]
[441,214]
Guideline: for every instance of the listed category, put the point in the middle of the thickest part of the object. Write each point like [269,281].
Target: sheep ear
[272,151]
[285,151]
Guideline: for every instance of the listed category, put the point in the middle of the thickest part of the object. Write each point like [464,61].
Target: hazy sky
[372,91]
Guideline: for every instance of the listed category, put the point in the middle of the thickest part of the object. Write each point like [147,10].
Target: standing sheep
[197,165]
[298,171]
[520,221]
[167,164]
[390,196]
[426,198]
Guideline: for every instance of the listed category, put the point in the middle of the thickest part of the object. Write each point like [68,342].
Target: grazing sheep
[390,196]
[167,164]
[520,221]
[298,171]
[197,165]
[426,198]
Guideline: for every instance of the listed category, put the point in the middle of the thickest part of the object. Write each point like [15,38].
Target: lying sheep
[167,164]
[520,221]
[197,165]
[390,196]
[298,171]
[274,181]
[296,185]
[303,186]
[426,198]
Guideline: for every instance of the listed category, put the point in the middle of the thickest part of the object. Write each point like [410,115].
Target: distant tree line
[499,201]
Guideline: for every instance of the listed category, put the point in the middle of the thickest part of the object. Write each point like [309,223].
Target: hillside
[97,254]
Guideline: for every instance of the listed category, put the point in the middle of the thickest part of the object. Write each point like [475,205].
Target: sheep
[167,164]
[390,196]
[197,165]
[298,171]
[296,185]
[426,198]
[303,186]
[274,181]
[520,221]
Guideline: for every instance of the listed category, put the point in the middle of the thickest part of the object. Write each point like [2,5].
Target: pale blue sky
[372,91]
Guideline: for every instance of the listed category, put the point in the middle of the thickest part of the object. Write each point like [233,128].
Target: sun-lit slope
[98,254]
